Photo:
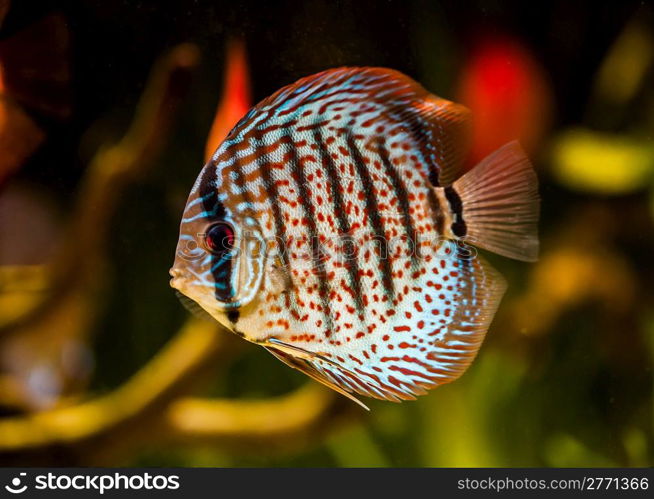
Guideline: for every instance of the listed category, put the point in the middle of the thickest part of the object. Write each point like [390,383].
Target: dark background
[577,392]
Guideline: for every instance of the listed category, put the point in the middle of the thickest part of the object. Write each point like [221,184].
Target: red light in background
[508,94]
[235,100]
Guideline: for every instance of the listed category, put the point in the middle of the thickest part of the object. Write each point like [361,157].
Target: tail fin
[501,205]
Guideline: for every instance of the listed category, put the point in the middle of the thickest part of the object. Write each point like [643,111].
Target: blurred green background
[564,377]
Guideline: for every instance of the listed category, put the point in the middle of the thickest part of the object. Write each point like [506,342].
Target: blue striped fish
[335,228]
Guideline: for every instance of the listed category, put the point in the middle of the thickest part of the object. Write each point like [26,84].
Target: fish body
[333,227]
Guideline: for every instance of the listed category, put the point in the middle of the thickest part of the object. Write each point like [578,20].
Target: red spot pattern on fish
[367,290]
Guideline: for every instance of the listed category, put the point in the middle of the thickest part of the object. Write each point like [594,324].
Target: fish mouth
[176,280]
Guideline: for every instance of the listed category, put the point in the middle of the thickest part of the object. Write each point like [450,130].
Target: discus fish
[332,227]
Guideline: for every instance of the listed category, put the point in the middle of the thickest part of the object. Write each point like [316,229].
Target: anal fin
[478,299]
[303,361]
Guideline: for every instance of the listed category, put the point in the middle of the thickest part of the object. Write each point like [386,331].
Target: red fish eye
[220,238]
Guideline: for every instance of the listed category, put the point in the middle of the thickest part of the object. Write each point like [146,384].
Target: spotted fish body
[348,257]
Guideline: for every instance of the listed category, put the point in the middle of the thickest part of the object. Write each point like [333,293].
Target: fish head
[219,257]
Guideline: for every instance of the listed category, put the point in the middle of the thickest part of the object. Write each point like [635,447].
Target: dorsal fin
[441,127]
[451,125]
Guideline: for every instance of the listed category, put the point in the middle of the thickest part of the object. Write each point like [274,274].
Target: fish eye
[219,238]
